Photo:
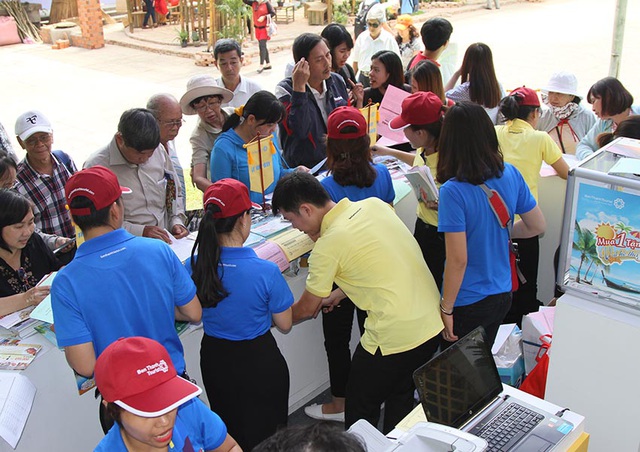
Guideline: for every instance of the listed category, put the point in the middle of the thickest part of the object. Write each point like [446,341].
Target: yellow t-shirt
[429,216]
[366,249]
[526,148]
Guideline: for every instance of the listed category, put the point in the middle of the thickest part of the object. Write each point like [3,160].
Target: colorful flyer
[370,113]
[606,240]
[259,159]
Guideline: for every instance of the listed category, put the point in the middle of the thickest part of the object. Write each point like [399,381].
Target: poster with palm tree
[605,247]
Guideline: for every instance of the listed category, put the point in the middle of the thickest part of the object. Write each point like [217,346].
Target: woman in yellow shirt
[526,149]
[421,119]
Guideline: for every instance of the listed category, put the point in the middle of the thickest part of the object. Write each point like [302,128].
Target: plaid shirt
[47,194]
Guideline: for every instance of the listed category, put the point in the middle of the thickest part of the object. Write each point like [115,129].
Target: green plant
[182,36]
[195,36]
[233,19]
[340,17]
[341,12]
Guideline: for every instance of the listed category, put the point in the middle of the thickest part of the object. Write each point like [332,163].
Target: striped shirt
[47,194]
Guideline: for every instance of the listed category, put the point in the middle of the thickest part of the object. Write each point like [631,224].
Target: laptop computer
[461,388]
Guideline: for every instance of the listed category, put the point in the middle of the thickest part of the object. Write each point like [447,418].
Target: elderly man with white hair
[375,40]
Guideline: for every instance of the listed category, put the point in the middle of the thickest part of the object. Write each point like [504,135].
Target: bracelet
[443,310]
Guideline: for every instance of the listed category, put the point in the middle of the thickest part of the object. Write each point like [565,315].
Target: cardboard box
[507,353]
[513,375]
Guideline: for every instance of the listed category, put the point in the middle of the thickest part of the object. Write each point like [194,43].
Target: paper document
[253,240]
[270,226]
[270,251]
[626,166]
[43,311]
[16,399]
[391,107]
[14,318]
[423,183]
[294,243]
[411,419]
[182,247]
[318,166]
[402,189]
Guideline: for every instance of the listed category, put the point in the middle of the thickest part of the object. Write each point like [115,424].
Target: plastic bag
[509,351]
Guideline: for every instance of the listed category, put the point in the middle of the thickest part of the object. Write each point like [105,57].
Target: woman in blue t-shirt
[353,175]
[245,375]
[477,275]
[229,158]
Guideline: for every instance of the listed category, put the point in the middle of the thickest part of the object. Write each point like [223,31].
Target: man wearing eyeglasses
[205,99]
[167,111]
[152,209]
[42,174]
[368,44]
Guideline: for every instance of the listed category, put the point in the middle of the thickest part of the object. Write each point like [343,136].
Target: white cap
[32,122]
[562,82]
[377,12]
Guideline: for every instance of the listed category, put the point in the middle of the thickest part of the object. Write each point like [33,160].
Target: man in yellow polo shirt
[373,258]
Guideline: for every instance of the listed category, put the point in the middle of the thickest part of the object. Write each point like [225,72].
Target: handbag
[272,28]
[500,210]
[536,382]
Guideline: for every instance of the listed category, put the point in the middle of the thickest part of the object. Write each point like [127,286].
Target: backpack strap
[500,210]
[64,159]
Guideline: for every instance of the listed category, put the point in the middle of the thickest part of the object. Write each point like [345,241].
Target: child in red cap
[153,407]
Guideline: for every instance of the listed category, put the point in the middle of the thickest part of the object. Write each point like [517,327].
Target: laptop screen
[459,382]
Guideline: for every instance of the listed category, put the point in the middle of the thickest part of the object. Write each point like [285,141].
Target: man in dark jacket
[309,95]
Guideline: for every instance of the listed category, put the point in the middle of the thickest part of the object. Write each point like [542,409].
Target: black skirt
[247,384]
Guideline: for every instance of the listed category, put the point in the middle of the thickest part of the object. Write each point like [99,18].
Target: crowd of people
[413,294]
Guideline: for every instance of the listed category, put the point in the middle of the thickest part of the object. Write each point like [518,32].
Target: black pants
[525,299]
[264,53]
[151,13]
[336,326]
[488,312]
[432,245]
[375,379]
[247,384]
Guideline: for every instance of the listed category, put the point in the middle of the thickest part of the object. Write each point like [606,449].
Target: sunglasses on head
[373,24]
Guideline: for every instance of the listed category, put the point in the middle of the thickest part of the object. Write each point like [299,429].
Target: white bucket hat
[32,122]
[202,85]
[562,82]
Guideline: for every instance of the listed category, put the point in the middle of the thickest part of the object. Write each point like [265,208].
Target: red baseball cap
[343,117]
[526,97]
[136,373]
[418,109]
[230,195]
[97,183]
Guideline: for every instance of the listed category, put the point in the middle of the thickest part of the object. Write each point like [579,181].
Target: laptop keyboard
[508,427]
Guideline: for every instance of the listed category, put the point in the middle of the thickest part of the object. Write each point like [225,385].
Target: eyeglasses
[211,104]
[38,138]
[172,122]
[373,24]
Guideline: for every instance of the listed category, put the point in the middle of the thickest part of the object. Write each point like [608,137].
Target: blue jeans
[151,12]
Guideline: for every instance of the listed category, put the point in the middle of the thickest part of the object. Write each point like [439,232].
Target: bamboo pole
[618,36]
[25,27]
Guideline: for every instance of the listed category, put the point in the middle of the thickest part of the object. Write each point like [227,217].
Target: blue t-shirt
[195,423]
[119,285]
[229,159]
[382,187]
[464,207]
[256,289]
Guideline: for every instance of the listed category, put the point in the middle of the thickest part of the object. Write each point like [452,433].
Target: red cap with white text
[97,183]
[343,117]
[136,373]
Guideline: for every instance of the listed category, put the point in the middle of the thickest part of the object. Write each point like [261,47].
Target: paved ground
[84,92]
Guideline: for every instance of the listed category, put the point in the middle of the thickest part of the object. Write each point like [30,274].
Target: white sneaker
[315,412]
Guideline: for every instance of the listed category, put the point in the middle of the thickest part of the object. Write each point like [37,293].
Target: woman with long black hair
[245,375]
[477,273]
